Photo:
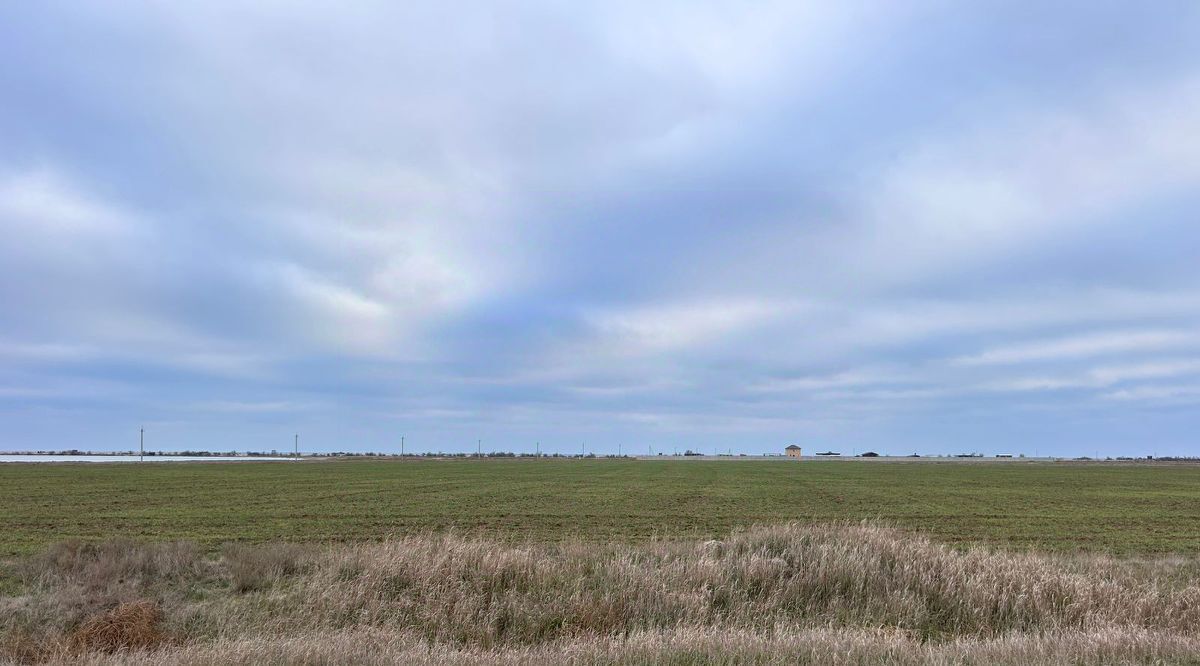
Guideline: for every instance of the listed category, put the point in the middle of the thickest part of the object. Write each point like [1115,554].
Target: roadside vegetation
[844,593]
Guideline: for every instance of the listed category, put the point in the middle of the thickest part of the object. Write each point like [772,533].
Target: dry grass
[130,626]
[261,567]
[688,646]
[790,594]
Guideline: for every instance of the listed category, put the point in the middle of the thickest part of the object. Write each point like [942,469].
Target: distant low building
[792,451]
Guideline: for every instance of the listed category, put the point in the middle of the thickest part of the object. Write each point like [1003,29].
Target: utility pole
[296,446]
[479,448]
[401,446]
[581,445]
[537,450]
[618,449]
[141,445]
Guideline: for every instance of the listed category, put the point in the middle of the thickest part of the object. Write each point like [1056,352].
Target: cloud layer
[925,227]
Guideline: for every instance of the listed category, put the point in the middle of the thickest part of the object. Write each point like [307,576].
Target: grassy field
[1119,508]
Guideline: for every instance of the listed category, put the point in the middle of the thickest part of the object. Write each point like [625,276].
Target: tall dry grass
[699,645]
[789,594]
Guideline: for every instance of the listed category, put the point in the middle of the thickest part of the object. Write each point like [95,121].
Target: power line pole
[537,450]
[479,447]
[141,444]
[296,446]
[401,446]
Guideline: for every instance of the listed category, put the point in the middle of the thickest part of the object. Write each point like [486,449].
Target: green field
[1122,508]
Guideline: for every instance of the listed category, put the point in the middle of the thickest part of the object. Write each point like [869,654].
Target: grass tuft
[135,625]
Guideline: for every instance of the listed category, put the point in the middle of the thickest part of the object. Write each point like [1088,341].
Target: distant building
[793,451]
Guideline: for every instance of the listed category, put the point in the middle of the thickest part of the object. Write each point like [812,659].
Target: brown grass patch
[135,625]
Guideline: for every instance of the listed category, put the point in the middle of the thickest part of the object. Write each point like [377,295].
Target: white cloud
[850,378]
[676,327]
[1084,346]
[337,315]
[1100,377]
[1114,374]
[1163,394]
[41,203]
[246,406]
[42,351]
[1011,182]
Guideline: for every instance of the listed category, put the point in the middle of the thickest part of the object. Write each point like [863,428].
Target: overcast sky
[899,226]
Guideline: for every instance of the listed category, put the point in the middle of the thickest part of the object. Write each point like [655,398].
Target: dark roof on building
[790,447]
